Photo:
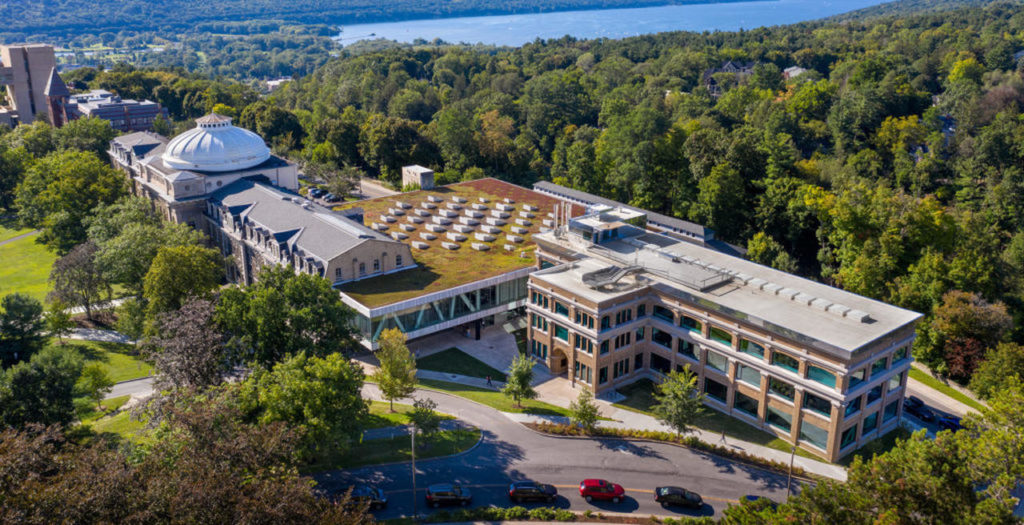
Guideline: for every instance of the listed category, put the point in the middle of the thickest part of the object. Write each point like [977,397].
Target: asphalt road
[509,452]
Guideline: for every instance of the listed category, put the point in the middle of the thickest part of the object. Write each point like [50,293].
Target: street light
[789,480]
[412,432]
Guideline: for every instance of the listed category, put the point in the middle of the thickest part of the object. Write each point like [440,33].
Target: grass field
[26,266]
[640,398]
[455,361]
[9,229]
[932,382]
[119,360]
[122,426]
[494,399]
[87,412]
[377,451]
[381,416]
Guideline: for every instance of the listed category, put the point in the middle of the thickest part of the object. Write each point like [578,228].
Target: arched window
[376,265]
[398,261]
[362,268]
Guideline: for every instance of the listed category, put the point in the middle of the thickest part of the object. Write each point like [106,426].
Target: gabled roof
[55,87]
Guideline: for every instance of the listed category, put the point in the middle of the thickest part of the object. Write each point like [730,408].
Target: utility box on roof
[419,176]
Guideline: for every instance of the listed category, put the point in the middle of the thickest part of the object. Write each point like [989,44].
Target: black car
[316,192]
[949,423]
[529,491]
[915,407]
[448,494]
[677,496]
[330,197]
[372,496]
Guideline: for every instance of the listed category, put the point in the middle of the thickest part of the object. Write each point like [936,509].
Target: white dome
[215,145]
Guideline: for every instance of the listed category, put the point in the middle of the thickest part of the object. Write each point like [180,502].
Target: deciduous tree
[21,325]
[94,383]
[77,279]
[189,351]
[58,320]
[424,417]
[178,272]
[520,376]
[678,401]
[396,374]
[583,411]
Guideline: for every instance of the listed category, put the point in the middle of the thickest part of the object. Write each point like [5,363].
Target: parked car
[915,407]
[366,494]
[330,197]
[529,491]
[601,490]
[949,423]
[677,496]
[448,494]
[316,192]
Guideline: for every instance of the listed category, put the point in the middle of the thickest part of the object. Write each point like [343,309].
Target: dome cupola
[215,145]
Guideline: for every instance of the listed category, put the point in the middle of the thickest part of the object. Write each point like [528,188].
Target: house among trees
[738,70]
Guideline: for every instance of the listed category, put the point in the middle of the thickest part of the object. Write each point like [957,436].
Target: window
[660,364]
[785,361]
[857,378]
[662,338]
[638,361]
[715,390]
[875,394]
[894,382]
[362,268]
[817,404]
[620,368]
[582,343]
[890,410]
[848,438]
[602,375]
[720,335]
[718,362]
[749,375]
[606,323]
[562,333]
[398,261]
[878,367]
[852,408]
[900,355]
[781,388]
[604,347]
[745,404]
[814,434]
[821,375]
[691,324]
[870,423]
[641,310]
[640,334]
[749,347]
[337,273]
[686,348]
[581,372]
[561,309]
[663,313]
[376,265]
[779,419]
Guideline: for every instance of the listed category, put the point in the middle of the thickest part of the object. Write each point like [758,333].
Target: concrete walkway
[102,305]
[20,237]
[96,334]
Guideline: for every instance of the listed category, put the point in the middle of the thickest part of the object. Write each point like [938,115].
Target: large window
[561,309]
[857,378]
[848,438]
[821,375]
[890,410]
[662,338]
[606,323]
[660,363]
[604,347]
[870,423]
[620,368]
[878,367]
[562,333]
[875,394]
[782,360]
[718,362]
[900,354]
[691,324]
[745,404]
[749,347]
[663,313]
[715,390]
[852,408]
[894,382]
[781,388]
[817,404]
[686,348]
[779,419]
[602,375]
[721,336]
[814,434]
[749,375]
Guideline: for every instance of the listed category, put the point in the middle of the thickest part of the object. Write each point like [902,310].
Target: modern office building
[26,70]
[821,368]
[123,114]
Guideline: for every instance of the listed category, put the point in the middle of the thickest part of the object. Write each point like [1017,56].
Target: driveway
[511,452]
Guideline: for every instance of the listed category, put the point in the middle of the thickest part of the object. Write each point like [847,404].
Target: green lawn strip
[932,382]
[87,412]
[521,339]
[10,230]
[640,398]
[494,399]
[455,361]
[122,426]
[376,451]
[118,359]
[380,415]
[26,268]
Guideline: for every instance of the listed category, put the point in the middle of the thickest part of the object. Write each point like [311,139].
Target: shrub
[542,514]
[516,513]
[564,515]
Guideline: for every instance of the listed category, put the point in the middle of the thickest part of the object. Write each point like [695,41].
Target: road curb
[677,445]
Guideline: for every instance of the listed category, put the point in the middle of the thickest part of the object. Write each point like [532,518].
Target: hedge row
[561,429]
[550,514]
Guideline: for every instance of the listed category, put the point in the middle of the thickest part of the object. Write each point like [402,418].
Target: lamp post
[789,479]
[412,432]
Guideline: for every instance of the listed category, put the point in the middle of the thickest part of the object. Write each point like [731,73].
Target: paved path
[509,451]
[371,189]
[102,305]
[19,237]
[403,430]
[96,334]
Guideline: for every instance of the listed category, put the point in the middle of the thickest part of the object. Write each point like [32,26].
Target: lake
[514,30]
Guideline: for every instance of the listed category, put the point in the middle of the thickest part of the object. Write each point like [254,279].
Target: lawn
[439,268]
[935,383]
[123,426]
[10,229]
[455,361]
[640,398]
[87,412]
[26,267]
[119,360]
[494,399]
[380,416]
[444,443]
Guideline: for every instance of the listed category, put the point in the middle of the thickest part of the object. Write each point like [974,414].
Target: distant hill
[904,7]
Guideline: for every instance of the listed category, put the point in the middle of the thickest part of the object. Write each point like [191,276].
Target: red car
[601,490]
